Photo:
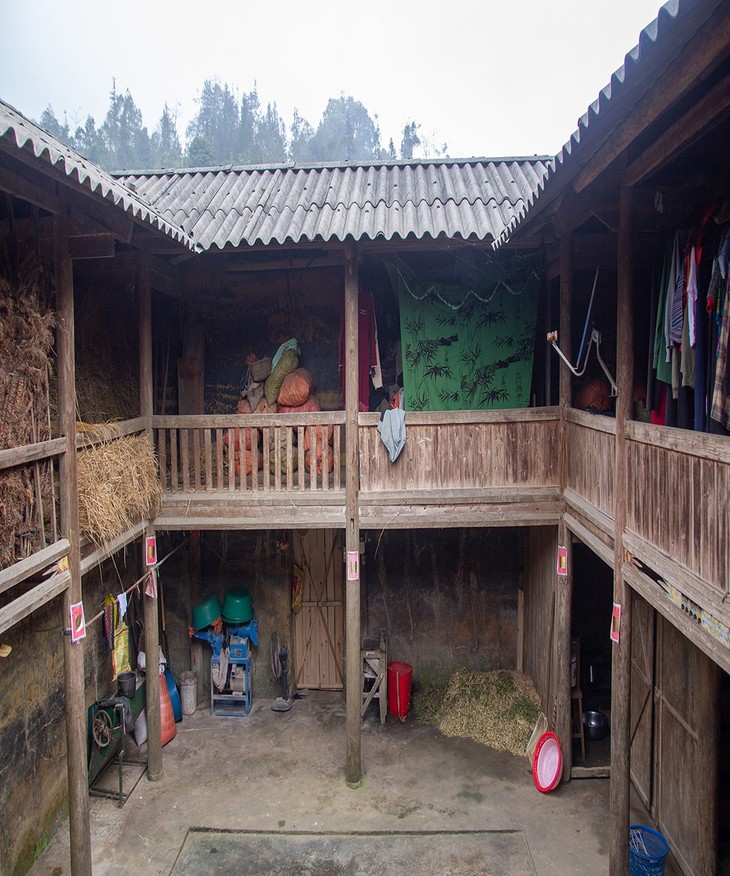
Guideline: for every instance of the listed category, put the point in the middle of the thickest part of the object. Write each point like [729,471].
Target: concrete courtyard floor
[271,777]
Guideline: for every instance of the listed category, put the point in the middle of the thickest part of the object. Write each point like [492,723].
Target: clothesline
[432,290]
[136,584]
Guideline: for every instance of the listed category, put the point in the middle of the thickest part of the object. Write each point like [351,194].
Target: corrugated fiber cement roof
[234,206]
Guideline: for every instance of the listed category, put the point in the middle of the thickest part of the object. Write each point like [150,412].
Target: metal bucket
[189,692]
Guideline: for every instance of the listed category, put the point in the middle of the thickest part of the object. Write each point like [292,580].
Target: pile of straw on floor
[497,708]
[118,485]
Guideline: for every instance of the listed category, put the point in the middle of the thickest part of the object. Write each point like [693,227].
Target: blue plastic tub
[648,851]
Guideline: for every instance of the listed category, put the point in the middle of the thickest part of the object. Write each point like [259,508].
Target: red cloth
[367,355]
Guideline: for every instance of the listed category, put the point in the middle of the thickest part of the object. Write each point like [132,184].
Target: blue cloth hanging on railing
[392,428]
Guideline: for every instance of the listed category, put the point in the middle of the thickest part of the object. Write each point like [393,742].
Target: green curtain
[469,346]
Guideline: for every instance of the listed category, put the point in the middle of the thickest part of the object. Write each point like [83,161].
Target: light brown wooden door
[642,697]
[319,625]
[686,732]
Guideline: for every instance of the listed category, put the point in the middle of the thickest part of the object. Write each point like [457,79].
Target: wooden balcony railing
[464,450]
[251,453]
[678,515]
[591,452]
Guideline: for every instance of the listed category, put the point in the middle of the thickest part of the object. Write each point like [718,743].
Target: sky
[508,78]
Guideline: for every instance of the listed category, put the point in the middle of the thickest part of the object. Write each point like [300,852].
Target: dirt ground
[268,791]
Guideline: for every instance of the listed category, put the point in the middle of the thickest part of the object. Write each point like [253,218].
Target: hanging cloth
[392,429]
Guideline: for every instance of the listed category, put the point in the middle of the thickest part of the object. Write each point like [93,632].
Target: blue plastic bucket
[648,851]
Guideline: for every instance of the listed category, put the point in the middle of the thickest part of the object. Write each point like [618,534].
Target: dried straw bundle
[26,343]
[496,708]
[118,486]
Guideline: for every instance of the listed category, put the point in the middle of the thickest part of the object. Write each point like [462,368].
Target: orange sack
[295,388]
[249,462]
[247,433]
[308,461]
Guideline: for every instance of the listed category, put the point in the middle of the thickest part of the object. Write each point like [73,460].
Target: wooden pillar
[144,304]
[621,656]
[75,693]
[564,583]
[151,622]
[353,662]
[152,687]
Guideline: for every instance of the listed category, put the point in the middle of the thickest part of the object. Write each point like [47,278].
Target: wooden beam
[696,60]
[20,186]
[110,216]
[37,562]
[109,432]
[31,452]
[144,303]
[353,661]
[621,654]
[92,246]
[98,555]
[75,690]
[31,601]
[708,112]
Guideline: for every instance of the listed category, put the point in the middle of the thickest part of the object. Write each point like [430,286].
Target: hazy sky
[487,78]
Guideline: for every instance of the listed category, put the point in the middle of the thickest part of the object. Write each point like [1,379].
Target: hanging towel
[392,428]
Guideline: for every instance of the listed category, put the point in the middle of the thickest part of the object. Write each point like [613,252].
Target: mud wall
[259,561]
[33,783]
[446,598]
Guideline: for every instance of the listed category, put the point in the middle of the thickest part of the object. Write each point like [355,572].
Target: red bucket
[399,688]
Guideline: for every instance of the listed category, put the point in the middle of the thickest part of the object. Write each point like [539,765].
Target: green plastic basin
[205,612]
[237,606]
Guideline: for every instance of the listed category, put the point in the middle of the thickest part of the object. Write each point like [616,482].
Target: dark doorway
[591,621]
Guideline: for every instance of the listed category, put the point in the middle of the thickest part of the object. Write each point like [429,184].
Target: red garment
[366,350]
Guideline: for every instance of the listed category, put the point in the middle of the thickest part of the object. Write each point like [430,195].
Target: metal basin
[595,725]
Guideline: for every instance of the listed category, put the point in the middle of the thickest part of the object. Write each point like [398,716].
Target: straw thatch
[107,358]
[118,486]
[26,343]
[497,708]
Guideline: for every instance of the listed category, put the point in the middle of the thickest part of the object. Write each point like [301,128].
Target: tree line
[231,130]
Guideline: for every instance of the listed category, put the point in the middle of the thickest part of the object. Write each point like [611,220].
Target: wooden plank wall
[467,450]
[539,600]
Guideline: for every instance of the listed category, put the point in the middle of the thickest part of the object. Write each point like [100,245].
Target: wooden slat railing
[678,509]
[198,453]
[591,454]
[463,450]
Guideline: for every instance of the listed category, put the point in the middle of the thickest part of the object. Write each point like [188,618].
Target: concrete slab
[458,853]
[283,773]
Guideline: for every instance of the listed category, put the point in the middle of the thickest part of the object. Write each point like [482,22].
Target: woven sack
[286,364]
[296,387]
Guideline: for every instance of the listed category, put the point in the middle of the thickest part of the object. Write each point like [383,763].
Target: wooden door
[319,625]
[686,730]
[642,698]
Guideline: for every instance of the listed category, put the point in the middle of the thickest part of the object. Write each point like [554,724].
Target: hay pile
[118,486]
[26,343]
[497,708]
[107,356]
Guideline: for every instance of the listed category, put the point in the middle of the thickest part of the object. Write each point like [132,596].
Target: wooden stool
[374,653]
[576,698]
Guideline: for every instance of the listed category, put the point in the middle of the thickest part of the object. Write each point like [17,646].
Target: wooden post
[151,623]
[564,584]
[152,687]
[75,693]
[621,656]
[353,663]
